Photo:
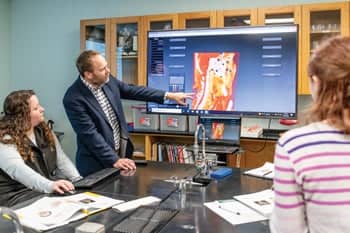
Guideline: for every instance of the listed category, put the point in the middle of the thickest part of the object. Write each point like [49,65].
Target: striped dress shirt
[312,181]
[107,109]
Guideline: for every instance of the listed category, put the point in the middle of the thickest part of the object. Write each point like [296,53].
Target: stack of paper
[246,208]
[51,212]
[265,171]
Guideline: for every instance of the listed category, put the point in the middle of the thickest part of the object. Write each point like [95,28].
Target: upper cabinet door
[320,21]
[279,15]
[125,47]
[151,23]
[94,35]
[160,22]
[205,19]
[241,17]
[284,16]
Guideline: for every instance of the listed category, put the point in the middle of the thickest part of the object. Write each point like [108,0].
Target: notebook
[222,134]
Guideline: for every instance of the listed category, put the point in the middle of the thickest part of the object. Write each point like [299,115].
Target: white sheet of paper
[260,201]
[130,205]
[234,212]
[265,171]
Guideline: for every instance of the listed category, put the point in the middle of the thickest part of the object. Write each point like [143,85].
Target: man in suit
[93,106]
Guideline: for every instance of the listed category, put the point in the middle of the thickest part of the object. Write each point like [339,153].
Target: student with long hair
[32,160]
[312,163]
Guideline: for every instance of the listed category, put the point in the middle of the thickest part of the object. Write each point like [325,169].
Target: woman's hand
[62,186]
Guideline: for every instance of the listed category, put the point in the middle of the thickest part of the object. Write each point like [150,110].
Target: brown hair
[331,64]
[83,62]
[16,122]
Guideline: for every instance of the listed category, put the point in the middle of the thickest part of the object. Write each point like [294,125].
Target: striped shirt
[107,110]
[312,181]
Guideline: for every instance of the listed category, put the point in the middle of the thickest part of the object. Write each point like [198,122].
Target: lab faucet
[200,158]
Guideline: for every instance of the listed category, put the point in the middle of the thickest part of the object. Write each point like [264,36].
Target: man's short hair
[83,62]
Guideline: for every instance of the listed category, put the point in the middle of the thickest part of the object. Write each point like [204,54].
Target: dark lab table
[193,216]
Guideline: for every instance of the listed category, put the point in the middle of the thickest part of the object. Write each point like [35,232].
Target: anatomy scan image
[214,80]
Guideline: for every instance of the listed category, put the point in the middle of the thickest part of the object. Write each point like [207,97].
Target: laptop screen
[221,129]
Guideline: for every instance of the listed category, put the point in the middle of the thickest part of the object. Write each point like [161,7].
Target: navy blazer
[94,133]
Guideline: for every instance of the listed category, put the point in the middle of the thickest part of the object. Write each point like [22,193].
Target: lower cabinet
[254,152]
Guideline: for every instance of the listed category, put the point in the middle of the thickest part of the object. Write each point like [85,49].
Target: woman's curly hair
[16,123]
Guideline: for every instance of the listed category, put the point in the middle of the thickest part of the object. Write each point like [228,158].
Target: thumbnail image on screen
[243,71]
[217,130]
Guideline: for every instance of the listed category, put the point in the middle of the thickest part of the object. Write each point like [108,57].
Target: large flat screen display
[243,71]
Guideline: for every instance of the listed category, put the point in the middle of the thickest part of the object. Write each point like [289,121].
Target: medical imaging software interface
[245,71]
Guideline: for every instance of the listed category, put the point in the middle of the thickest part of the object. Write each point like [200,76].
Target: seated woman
[32,160]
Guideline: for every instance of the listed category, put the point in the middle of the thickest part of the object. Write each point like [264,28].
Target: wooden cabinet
[119,41]
[204,19]
[143,141]
[240,17]
[255,152]
[95,35]
[123,41]
[319,22]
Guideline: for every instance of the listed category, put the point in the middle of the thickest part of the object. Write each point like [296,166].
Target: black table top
[193,216]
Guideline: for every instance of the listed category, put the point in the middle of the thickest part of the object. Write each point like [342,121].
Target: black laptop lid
[221,130]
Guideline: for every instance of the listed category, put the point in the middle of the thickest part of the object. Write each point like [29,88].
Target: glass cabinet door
[205,19]
[320,21]
[94,35]
[241,17]
[160,22]
[279,15]
[125,45]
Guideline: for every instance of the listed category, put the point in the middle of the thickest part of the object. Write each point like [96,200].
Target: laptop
[222,134]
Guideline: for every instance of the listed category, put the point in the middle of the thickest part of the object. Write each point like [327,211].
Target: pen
[266,173]
[233,212]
